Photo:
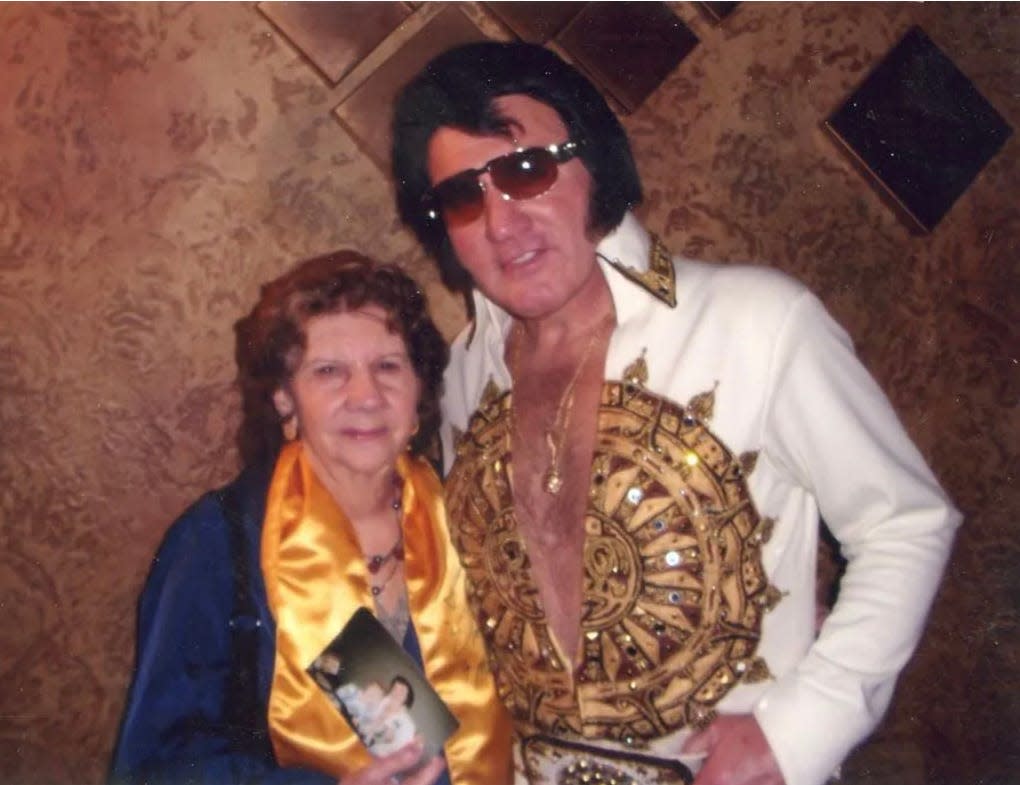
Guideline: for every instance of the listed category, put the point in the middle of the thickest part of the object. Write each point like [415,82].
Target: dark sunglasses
[523,174]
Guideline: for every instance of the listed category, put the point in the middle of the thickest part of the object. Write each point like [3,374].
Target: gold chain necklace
[552,477]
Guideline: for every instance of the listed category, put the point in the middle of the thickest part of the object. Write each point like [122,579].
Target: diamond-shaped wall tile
[335,37]
[920,129]
[627,48]
[535,22]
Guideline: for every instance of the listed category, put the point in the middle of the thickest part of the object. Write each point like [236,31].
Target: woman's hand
[384,771]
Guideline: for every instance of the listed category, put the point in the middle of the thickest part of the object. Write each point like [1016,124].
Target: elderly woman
[340,368]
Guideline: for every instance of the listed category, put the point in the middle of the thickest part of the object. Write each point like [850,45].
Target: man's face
[398,693]
[534,257]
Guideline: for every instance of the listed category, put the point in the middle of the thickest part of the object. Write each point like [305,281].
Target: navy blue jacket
[196,709]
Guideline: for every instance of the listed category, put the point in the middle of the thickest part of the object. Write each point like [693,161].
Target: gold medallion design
[674,587]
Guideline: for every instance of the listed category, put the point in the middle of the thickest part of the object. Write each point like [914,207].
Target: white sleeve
[446,435]
[830,427]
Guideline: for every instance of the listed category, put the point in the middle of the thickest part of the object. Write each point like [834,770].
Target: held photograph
[380,691]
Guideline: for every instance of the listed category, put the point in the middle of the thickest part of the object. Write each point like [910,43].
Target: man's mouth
[522,259]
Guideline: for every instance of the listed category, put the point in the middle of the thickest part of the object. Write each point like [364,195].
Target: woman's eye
[325,371]
[389,365]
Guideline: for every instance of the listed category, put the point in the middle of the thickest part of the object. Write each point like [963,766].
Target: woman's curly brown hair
[270,340]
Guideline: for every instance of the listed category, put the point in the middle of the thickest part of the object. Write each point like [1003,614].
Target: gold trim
[659,279]
[637,372]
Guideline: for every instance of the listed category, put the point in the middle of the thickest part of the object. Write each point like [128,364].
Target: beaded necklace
[393,556]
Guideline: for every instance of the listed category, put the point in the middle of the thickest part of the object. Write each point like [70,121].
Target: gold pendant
[552,481]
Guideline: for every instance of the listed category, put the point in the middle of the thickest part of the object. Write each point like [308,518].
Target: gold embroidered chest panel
[674,588]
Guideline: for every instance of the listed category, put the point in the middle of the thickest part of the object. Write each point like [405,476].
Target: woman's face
[355,394]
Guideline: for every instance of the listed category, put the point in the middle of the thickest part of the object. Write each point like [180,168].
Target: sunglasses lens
[525,174]
[521,175]
[460,197]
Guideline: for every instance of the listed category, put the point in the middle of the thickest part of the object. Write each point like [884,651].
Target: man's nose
[503,215]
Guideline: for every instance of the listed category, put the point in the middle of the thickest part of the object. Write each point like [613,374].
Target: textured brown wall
[157,161]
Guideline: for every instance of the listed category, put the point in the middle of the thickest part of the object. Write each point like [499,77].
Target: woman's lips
[362,434]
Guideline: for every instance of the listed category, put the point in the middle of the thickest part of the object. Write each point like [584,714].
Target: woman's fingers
[427,774]
[384,771]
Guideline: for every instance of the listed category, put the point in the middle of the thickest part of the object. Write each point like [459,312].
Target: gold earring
[290,428]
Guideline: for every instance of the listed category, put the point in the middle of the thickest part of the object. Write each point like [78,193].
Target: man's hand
[737,751]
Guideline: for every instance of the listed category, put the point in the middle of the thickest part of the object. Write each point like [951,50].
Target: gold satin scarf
[316,578]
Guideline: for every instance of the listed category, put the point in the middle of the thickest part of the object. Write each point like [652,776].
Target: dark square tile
[535,22]
[920,129]
[335,37]
[628,48]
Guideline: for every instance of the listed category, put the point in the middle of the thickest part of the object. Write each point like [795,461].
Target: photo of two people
[380,690]
[380,715]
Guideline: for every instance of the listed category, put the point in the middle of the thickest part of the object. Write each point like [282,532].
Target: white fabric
[788,385]
[383,729]
[396,732]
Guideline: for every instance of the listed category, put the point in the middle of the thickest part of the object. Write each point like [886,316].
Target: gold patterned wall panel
[157,161]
